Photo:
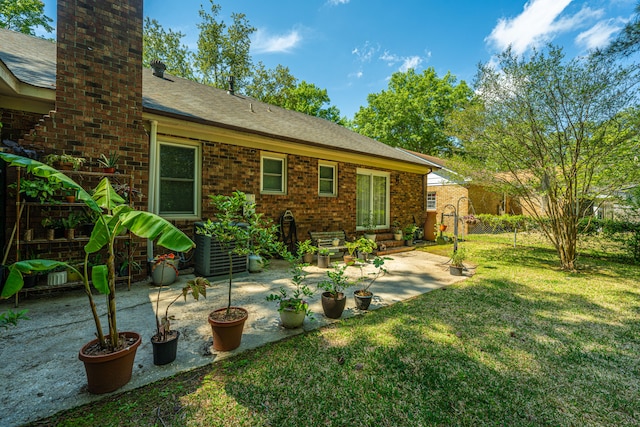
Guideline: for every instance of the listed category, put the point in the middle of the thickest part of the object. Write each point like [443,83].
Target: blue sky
[351,47]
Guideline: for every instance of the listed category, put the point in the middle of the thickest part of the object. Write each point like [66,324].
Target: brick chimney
[98,83]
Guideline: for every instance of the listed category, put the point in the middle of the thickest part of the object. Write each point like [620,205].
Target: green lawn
[520,343]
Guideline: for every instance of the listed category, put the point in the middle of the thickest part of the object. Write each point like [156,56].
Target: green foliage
[109,161]
[413,111]
[553,133]
[507,222]
[296,300]
[24,16]
[196,287]
[238,229]
[167,47]
[337,281]
[77,162]
[380,270]
[42,189]
[458,257]
[366,246]
[306,247]
[114,218]
[11,318]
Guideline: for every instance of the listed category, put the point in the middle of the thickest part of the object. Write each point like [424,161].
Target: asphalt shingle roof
[33,60]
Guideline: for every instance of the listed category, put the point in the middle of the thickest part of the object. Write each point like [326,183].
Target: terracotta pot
[70,199]
[443,227]
[109,170]
[227,335]
[333,307]
[362,301]
[109,372]
[165,351]
[349,259]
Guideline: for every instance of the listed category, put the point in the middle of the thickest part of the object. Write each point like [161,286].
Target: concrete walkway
[41,373]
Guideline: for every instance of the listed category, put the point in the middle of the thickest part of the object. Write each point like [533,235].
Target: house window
[179,183]
[273,173]
[372,198]
[327,179]
[431,201]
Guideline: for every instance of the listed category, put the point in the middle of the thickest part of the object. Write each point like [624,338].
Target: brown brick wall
[15,124]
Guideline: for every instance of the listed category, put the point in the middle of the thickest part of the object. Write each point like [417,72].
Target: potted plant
[457,262]
[363,295]
[409,232]
[369,225]
[109,358]
[109,163]
[64,161]
[49,224]
[164,269]
[307,249]
[324,257]
[293,309]
[235,223]
[165,340]
[333,297]
[442,227]
[352,247]
[366,247]
[70,196]
[397,230]
[38,189]
[70,223]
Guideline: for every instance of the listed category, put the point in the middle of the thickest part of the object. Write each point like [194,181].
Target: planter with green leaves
[409,232]
[109,163]
[352,247]
[307,249]
[70,223]
[369,225]
[397,230]
[109,358]
[38,189]
[457,262]
[235,228]
[294,308]
[324,257]
[333,297]
[64,161]
[165,340]
[363,295]
[366,247]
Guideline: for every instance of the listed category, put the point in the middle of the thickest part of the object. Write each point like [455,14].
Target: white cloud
[410,62]
[538,23]
[600,34]
[263,42]
[337,2]
[366,52]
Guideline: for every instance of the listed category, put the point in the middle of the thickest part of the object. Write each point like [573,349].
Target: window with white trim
[273,173]
[372,198]
[327,179]
[178,184]
[431,201]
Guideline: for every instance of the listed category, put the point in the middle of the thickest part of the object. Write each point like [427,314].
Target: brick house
[449,191]
[88,94]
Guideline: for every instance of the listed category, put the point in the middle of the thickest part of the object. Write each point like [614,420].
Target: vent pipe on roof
[231,81]
[158,68]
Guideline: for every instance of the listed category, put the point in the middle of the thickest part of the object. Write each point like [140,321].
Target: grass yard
[521,343]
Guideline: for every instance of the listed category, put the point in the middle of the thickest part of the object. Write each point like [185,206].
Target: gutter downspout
[153,170]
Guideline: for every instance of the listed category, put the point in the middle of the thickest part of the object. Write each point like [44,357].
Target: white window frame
[273,156]
[435,200]
[197,181]
[372,173]
[334,189]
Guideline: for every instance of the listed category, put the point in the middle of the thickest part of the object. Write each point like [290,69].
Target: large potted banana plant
[109,358]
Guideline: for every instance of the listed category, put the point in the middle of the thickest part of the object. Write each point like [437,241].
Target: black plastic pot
[165,351]
[362,301]
[333,307]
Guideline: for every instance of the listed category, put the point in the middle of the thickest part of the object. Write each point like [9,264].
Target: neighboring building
[88,94]
[448,192]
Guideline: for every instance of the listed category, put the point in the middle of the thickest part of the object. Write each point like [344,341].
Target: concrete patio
[40,367]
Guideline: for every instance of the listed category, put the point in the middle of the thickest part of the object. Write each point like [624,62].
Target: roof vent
[231,81]
[158,68]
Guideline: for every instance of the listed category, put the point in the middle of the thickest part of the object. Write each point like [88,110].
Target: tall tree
[279,87]
[223,51]
[413,111]
[628,41]
[167,47]
[24,16]
[556,134]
